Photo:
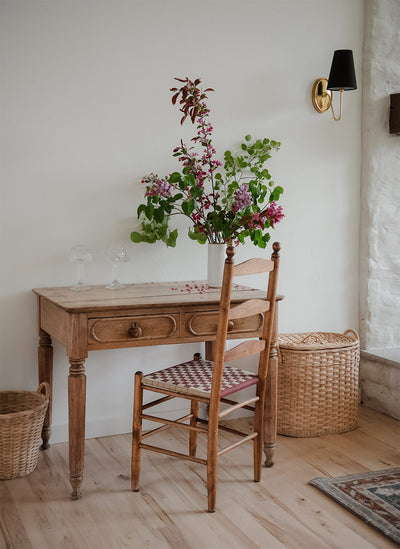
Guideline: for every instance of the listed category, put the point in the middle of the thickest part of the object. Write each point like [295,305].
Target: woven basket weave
[318,383]
[21,421]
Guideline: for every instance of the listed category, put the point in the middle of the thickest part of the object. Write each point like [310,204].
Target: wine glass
[80,254]
[116,255]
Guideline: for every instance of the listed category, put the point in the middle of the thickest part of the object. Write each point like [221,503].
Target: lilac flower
[157,187]
[243,198]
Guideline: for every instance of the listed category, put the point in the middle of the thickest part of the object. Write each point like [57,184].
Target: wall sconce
[342,78]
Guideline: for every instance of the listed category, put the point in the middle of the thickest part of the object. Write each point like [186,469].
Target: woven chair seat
[194,378]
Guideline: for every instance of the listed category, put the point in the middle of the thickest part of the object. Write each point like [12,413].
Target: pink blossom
[257,220]
[275,213]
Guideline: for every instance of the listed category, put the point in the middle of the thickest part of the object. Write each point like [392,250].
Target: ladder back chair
[211,382]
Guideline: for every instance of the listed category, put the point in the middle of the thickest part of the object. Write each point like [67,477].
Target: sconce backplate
[321,97]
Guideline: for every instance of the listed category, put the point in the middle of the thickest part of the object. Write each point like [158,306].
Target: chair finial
[276,247]
[230,252]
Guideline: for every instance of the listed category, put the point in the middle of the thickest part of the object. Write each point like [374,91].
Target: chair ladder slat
[245,349]
[253,266]
[248,308]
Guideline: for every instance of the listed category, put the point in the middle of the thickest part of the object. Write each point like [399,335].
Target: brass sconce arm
[322,98]
[341,104]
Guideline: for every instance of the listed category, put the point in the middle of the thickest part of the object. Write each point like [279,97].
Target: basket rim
[33,409]
[345,343]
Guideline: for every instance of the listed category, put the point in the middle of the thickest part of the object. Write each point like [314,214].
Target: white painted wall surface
[380,204]
[86,113]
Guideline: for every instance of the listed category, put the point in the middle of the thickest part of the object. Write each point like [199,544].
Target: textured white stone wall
[380,385]
[380,195]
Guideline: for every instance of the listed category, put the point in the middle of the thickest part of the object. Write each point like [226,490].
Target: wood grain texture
[245,349]
[253,266]
[134,295]
[281,512]
[248,308]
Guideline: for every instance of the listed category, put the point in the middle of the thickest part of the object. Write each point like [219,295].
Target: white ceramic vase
[215,264]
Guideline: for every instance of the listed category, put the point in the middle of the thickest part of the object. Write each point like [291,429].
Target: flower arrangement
[225,203]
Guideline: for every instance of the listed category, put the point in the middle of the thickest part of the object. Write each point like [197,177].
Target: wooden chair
[211,382]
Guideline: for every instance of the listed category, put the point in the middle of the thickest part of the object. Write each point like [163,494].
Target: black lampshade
[342,75]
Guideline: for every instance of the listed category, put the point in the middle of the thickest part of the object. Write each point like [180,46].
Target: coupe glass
[80,255]
[116,255]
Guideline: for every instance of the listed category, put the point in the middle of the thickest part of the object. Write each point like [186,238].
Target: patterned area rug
[374,497]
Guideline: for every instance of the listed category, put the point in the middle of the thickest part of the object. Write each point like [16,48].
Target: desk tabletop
[148,294]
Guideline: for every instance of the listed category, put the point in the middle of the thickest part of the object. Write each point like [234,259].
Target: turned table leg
[271,397]
[45,361]
[76,421]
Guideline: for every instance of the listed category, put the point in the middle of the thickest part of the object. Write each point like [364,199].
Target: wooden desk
[135,316]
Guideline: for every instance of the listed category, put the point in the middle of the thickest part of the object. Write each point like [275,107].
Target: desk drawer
[205,324]
[130,328]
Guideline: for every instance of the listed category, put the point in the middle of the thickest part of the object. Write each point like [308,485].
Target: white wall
[380,205]
[86,112]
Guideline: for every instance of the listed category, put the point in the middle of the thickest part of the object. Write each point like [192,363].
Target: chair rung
[228,401]
[173,454]
[223,428]
[237,406]
[155,402]
[175,423]
[236,444]
[158,429]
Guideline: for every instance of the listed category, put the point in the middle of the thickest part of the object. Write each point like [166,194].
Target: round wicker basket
[21,420]
[318,383]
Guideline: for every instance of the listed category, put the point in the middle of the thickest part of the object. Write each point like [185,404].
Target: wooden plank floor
[282,511]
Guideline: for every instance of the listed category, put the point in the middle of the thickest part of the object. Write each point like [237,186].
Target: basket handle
[46,387]
[312,338]
[352,332]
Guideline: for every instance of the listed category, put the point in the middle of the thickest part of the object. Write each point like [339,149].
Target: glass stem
[80,273]
[114,272]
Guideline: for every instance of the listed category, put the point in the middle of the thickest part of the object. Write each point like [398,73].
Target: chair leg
[258,428]
[194,409]
[212,449]
[136,431]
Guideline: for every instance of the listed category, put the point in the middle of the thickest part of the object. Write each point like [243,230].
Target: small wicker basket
[318,383]
[21,421]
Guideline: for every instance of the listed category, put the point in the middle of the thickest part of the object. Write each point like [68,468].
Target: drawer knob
[135,330]
[231,325]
